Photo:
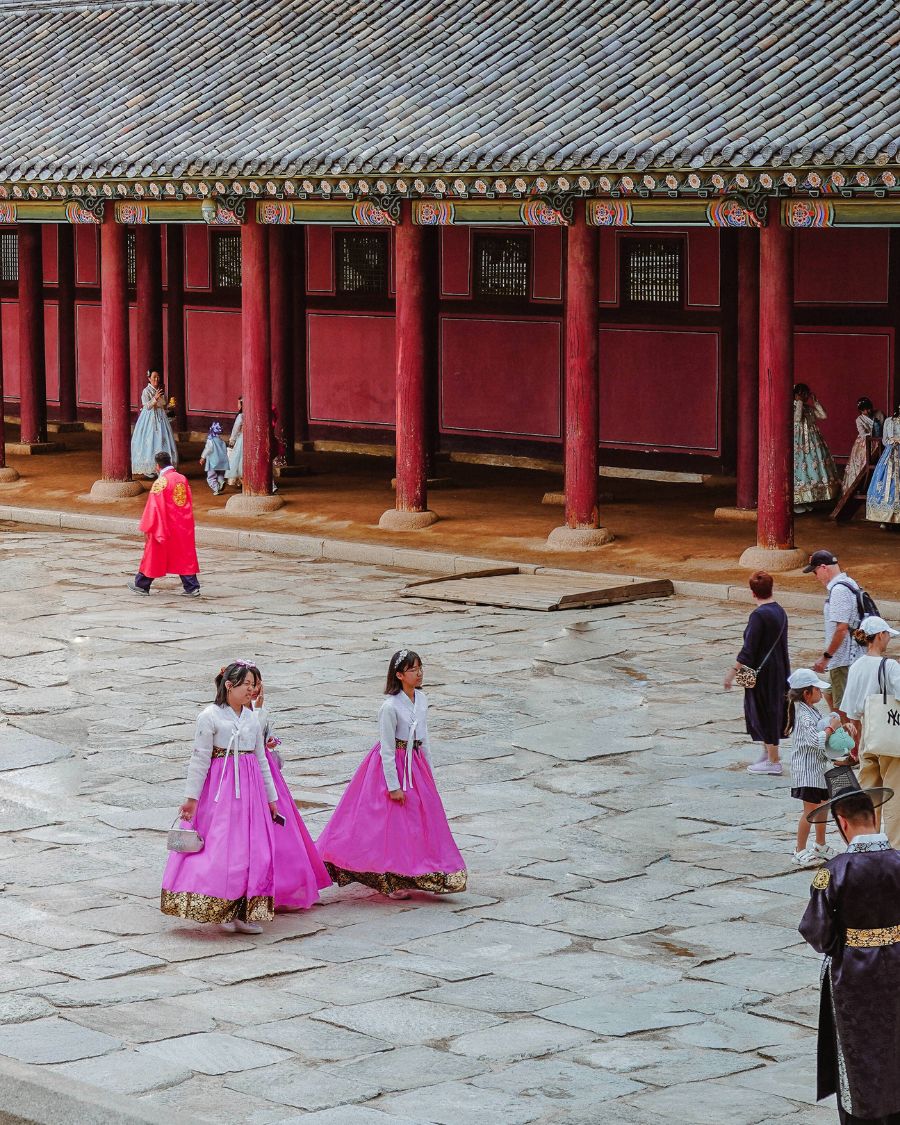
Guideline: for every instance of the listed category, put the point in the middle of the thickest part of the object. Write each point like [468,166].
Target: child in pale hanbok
[236,447]
[232,802]
[815,474]
[299,871]
[214,459]
[883,499]
[389,830]
[152,431]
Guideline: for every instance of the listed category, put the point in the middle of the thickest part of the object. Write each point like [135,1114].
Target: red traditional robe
[168,523]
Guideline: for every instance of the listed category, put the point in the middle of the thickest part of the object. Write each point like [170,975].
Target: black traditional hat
[842,783]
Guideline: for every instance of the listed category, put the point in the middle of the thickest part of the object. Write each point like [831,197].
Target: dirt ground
[661,529]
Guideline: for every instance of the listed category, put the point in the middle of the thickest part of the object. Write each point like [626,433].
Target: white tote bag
[881,720]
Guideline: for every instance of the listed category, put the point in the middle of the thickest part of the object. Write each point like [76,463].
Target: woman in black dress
[765,650]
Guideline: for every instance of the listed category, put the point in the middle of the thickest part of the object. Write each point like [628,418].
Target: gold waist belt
[402,744]
[220,751]
[873,939]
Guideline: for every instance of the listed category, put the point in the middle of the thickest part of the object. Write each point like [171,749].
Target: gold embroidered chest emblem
[179,495]
[821,879]
[159,485]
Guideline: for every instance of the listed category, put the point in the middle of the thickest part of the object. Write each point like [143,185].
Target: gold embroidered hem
[207,908]
[873,939]
[436,882]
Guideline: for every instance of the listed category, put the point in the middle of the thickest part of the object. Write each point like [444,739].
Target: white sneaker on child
[806,858]
[227,927]
[824,851]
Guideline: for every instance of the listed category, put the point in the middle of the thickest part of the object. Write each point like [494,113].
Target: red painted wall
[319,260]
[501,376]
[196,257]
[659,388]
[51,350]
[87,255]
[49,255]
[87,352]
[350,368]
[840,365]
[9,326]
[841,267]
[547,264]
[702,264]
[455,275]
[212,356]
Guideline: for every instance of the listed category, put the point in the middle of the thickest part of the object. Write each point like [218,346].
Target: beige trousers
[882,770]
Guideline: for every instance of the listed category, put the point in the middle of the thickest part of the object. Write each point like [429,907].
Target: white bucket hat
[806,678]
[871,626]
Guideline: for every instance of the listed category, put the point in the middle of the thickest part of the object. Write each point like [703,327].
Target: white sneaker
[227,927]
[806,858]
[247,927]
[824,851]
[765,766]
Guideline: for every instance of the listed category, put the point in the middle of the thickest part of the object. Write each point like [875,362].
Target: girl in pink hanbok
[232,802]
[299,871]
[389,830]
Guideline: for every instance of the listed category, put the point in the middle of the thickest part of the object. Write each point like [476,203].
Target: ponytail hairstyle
[401,661]
[234,673]
[863,638]
[794,696]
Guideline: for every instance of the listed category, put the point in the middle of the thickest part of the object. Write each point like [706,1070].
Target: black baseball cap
[820,558]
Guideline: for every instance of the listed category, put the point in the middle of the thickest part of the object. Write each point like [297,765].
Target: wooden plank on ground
[542,592]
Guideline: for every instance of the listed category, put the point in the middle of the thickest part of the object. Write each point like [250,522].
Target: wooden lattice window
[652,271]
[226,248]
[502,265]
[131,256]
[9,256]
[362,262]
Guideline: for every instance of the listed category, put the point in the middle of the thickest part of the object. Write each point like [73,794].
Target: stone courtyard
[627,949]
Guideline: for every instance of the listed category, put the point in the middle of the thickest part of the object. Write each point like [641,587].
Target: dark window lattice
[9,256]
[362,263]
[502,266]
[653,271]
[227,261]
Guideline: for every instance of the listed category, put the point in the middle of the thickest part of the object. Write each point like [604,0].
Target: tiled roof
[324,87]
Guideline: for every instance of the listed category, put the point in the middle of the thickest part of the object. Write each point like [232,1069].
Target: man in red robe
[168,523]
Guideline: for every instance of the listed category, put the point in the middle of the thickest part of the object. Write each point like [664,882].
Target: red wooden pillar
[68,403]
[32,369]
[298,284]
[175,382]
[7,474]
[281,329]
[256,374]
[148,337]
[116,482]
[748,369]
[411,335]
[775,515]
[582,528]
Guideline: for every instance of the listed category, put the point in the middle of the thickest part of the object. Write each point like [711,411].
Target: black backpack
[865,603]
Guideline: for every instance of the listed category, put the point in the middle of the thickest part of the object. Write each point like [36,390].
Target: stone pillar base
[773,560]
[395,520]
[747,515]
[557,499]
[65,427]
[578,538]
[32,448]
[108,491]
[8,475]
[244,504]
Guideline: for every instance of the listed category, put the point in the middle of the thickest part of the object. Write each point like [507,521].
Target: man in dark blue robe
[853,917]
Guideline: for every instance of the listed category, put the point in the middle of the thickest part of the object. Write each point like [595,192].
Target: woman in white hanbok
[153,431]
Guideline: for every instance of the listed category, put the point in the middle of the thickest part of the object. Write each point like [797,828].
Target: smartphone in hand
[279,819]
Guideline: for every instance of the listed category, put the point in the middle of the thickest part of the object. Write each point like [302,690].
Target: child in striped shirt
[811,731]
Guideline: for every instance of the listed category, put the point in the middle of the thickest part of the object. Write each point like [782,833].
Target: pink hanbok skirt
[373,840]
[234,875]
[299,871]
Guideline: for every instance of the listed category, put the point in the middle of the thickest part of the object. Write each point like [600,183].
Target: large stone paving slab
[628,939]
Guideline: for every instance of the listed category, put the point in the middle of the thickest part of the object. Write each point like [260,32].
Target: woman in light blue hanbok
[153,431]
[815,475]
[236,447]
[883,498]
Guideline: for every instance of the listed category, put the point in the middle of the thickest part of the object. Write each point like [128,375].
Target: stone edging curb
[406,558]
[34,1095]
